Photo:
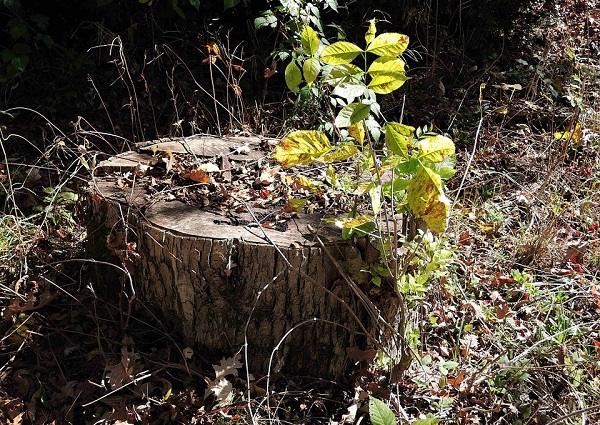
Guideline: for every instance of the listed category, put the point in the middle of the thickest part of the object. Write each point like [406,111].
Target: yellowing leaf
[370,35]
[386,65]
[388,44]
[302,182]
[309,40]
[295,204]
[340,52]
[436,148]
[375,194]
[357,131]
[301,147]
[387,74]
[167,387]
[385,84]
[340,153]
[364,187]
[293,76]
[398,138]
[350,223]
[311,69]
[351,114]
[574,135]
[427,200]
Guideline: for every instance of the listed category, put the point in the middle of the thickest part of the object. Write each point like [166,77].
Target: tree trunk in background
[224,284]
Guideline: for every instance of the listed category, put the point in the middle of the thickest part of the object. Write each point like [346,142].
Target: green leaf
[301,147]
[267,19]
[177,9]
[293,76]
[333,4]
[445,169]
[311,69]
[388,44]
[340,153]
[380,413]
[427,200]
[349,92]
[370,35]
[436,148]
[351,114]
[228,4]
[398,138]
[310,40]
[345,72]
[195,4]
[20,62]
[340,52]
[450,365]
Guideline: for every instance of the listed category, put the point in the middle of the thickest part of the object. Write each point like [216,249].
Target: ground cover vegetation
[479,120]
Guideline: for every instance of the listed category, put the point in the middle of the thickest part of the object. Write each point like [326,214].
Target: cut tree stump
[227,283]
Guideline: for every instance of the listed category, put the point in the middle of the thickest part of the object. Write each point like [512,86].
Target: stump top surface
[192,221]
[209,146]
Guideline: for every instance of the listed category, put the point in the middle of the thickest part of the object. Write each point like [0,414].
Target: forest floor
[511,334]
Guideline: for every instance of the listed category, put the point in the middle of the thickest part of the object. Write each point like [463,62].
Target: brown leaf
[32,303]
[358,355]
[200,176]
[503,310]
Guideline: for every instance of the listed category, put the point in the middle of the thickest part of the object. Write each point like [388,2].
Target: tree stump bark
[230,283]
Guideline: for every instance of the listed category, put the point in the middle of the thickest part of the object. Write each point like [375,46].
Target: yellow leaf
[350,223]
[302,182]
[385,84]
[295,205]
[427,200]
[370,35]
[301,147]
[388,44]
[364,187]
[398,138]
[357,131]
[436,148]
[574,135]
[340,52]
[310,40]
[387,65]
[340,153]
[167,387]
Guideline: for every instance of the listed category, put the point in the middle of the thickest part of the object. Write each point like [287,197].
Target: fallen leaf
[227,366]
[199,176]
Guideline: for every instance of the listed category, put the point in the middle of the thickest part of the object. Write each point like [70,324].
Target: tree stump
[230,282]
